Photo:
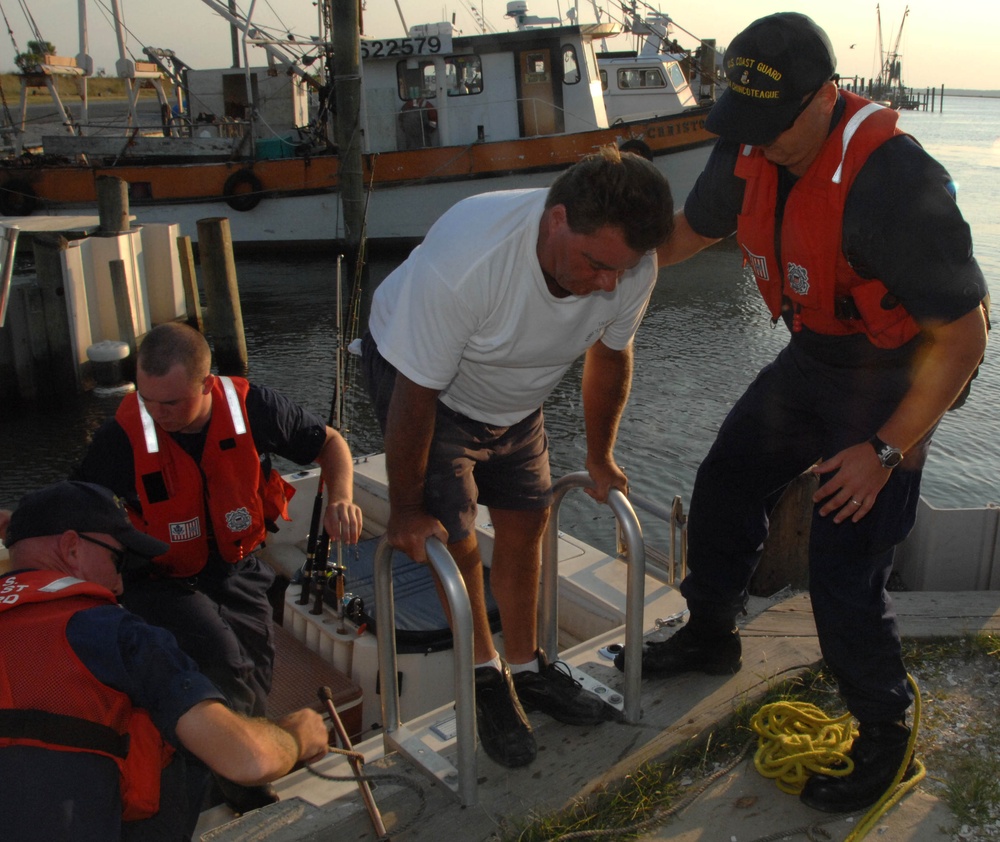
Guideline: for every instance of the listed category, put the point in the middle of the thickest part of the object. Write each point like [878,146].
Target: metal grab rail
[635,592]
[395,736]
[9,246]
[675,517]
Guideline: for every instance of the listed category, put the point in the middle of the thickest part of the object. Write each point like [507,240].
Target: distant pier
[900,98]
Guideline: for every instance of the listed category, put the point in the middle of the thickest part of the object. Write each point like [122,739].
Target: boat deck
[574,762]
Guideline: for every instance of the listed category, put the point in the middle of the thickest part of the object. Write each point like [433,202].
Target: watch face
[890,457]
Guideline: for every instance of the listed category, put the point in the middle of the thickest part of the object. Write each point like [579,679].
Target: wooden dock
[573,762]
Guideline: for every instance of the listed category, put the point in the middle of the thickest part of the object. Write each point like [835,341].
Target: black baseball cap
[81,507]
[771,66]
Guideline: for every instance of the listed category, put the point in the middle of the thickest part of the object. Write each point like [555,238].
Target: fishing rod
[318,541]
[323,569]
[318,577]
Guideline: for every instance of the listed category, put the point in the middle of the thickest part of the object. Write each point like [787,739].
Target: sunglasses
[119,554]
[801,108]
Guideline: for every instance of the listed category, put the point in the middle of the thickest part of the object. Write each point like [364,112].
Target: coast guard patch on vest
[238,520]
[798,279]
[758,265]
[186,531]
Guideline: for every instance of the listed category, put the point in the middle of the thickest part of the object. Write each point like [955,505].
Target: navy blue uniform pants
[797,411]
[221,619]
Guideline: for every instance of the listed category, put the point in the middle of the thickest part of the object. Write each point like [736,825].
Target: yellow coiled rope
[797,739]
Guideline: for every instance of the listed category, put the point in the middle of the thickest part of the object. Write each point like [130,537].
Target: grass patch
[959,742]
[649,795]
[103,88]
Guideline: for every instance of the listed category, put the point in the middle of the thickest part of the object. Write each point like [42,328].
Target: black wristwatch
[888,455]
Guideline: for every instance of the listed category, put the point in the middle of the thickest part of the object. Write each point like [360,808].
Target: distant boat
[887,88]
[509,110]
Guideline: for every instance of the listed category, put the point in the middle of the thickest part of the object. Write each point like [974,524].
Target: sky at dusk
[941,44]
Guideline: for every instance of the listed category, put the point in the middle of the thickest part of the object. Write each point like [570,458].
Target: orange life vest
[60,705]
[814,277]
[175,491]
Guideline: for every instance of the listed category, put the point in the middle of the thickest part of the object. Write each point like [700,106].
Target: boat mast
[83,59]
[347,91]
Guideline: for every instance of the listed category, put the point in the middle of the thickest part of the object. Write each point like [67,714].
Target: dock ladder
[461,782]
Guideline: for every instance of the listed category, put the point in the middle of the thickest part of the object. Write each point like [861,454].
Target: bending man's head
[620,190]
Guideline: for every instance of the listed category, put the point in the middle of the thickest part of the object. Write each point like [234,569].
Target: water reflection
[704,338]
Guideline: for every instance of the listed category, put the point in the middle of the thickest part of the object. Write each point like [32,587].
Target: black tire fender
[17,198]
[637,147]
[243,191]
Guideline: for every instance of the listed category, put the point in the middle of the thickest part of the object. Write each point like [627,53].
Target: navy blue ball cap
[772,65]
[80,507]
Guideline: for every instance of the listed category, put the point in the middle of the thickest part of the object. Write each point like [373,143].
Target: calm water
[704,338]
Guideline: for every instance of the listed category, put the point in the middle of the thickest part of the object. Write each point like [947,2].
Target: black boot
[709,643]
[878,752]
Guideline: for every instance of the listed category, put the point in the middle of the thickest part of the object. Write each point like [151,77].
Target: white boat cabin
[643,87]
[481,88]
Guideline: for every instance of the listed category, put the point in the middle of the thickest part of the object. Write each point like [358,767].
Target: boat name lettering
[396,47]
[683,127]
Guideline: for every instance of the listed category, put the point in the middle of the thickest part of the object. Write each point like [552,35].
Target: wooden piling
[225,317]
[192,301]
[54,369]
[124,315]
[112,204]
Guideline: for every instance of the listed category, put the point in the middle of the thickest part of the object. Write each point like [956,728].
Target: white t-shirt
[469,313]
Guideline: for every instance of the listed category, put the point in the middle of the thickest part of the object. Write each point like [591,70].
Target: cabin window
[604,79]
[571,67]
[653,78]
[416,79]
[628,79]
[536,69]
[464,75]
[677,78]
[646,77]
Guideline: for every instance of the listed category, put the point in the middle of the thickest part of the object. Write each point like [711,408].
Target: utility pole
[347,91]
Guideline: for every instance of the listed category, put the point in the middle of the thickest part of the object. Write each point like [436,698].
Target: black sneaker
[554,691]
[503,728]
[878,752]
[687,651]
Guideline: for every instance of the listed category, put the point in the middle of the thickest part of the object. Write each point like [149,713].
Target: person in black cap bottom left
[104,722]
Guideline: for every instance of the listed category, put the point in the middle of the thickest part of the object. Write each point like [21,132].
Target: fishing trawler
[443,115]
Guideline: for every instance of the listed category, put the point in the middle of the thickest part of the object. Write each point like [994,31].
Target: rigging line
[353,315]
[109,17]
[10,31]
[8,117]
[280,31]
[31,22]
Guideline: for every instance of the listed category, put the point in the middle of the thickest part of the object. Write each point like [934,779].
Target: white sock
[531,666]
[495,663]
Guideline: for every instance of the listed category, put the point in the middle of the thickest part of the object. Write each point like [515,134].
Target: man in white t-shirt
[467,339]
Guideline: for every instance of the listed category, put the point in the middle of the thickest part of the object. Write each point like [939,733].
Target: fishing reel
[352,608]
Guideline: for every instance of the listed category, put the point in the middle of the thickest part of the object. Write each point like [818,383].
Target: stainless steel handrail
[635,590]
[395,735]
[10,246]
